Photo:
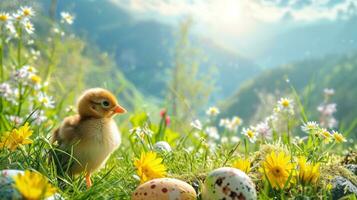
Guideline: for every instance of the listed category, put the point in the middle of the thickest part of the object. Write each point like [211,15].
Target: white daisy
[212,111]
[329,91]
[29,28]
[250,133]
[66,17]
[26,11]
[46,100]
[264,130]
[310,126]
[212,132]
[5,90]
[4,17]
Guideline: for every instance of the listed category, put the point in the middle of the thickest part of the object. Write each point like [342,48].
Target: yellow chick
[91,135]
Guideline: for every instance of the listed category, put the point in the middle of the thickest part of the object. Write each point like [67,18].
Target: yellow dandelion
[308,173]
[149,167]
[35,79]
[242,164]
[338,137]
[33,186]
[277,169]
[16,137]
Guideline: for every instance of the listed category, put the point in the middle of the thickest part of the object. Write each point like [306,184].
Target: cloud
[260,10]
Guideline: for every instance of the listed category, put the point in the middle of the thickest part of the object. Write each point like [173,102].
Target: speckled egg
[7,190]
[229,184]
[164,189]
[162,146]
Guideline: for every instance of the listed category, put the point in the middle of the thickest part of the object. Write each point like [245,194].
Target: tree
[189,89]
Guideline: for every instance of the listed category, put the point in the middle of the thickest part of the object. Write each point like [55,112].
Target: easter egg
[228,183]
[7,190]
[162,146]
[164,189]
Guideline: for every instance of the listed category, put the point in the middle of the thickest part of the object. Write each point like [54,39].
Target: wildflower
[4,17]
[167,120]
[329,91]
[212,111]
[35,79]
[327,109]
[264,130]
[338,137]
[11,28]
[212,132]
[66,17]
[224,139]
[285,104]
[141,132]
[224,122]
[235,139]
[5,90]
[325,134]
[236,121]
[27,11]
[250,133]
[309,127]
[39,117]
[46,100]
[16,120]
[70,109]
[277,169]
[196,124]
[308,173]
[33,185]
[16,137]
[242,164]
[29,28]
[149,167]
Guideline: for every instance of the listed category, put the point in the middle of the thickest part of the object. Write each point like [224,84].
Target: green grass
[194,152]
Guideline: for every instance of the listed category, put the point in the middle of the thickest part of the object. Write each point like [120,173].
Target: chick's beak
[118,109]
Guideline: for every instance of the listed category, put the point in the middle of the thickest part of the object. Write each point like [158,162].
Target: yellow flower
[35,79]
[242,164]
[308,173]
[149,166]
[16,137]
[277,168]
[33,186]
[338,137]
[285,102]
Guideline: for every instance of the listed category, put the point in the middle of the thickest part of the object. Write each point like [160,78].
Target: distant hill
[309,77]
[143,49]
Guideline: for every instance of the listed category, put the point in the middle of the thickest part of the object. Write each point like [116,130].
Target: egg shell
[164,189]
[229,184]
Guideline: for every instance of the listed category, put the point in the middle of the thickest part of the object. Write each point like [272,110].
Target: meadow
[44,69]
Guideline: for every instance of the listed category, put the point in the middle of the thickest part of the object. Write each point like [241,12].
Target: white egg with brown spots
[229,184]
[164,189]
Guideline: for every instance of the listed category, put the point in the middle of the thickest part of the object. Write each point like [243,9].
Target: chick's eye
[105,103]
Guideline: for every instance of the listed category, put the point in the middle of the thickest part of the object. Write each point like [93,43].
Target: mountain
[143,48]
[309,77]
